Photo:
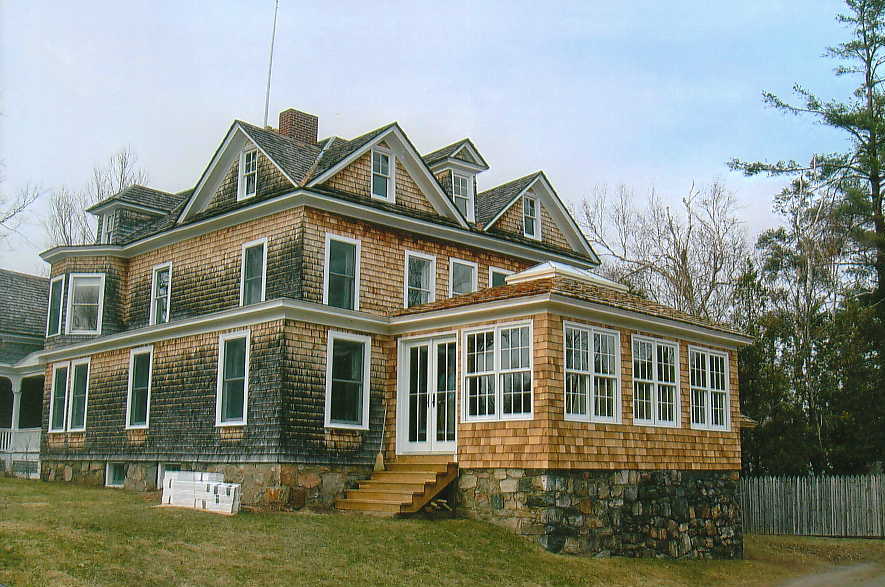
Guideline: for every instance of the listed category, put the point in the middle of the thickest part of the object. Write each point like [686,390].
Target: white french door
[426,396]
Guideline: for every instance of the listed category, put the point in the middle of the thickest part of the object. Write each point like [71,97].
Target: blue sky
[638,93]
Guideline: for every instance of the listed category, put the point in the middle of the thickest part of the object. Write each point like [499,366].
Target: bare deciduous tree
[68,223]
[12,208]
[689,260]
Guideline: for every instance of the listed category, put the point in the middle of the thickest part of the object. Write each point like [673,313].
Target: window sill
[515,418]
[590,420]
[240,423]
[83,332]
[341,426]
[387,199]
[655,425]
[710,428]
[145,427]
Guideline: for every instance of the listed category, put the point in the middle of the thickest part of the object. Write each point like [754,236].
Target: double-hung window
[248,179]
[69,396]
[655,382]
[253,272]
[498,276]
[462,277]
[161,285]
[85,303]
[138,402]
[420,282]
[498,373]
[383,163]
[347,380]
[531,226]
[341,287]
[462,195]
[709,389]
[592,387]
[56,297]
[232,393]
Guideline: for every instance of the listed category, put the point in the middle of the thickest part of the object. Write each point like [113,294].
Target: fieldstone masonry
[676,514]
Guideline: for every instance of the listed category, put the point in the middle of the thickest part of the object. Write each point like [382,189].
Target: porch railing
[22,442]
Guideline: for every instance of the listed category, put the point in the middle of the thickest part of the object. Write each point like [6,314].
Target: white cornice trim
[100,209]
[280,309]
[303,197]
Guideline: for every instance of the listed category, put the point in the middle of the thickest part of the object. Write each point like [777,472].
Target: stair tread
[379,501]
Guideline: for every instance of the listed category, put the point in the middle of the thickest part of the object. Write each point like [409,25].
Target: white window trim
[69,401]
[61,306]
[470,194]
[261,241]
[356,267]
[71,279]
[709,410]
[147,420]
[241,175]
[677,400]
[219,385]
[331,337]
[618,407]
[426,257]
[493,270]
[391,178]
[498,416]
[475,267]
[52,390]
[537,235]
[107,475]
[152,318]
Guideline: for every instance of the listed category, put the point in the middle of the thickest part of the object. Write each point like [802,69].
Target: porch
[21,412]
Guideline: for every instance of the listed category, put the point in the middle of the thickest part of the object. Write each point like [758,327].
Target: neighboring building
[23,300]
[308,295]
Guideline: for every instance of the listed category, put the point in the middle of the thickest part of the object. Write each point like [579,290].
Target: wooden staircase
[405,486]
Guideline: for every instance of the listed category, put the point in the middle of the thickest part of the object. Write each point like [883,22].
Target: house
[23,302]
[311,302]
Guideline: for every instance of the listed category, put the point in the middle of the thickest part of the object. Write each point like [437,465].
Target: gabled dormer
[125,212]
[455,167]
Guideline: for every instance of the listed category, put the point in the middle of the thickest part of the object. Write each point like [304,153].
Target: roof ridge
[28,275]
[512,181]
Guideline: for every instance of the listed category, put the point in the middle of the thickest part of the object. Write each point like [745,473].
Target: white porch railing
[20,452]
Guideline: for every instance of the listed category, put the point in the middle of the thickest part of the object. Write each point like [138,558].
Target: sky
[646,94]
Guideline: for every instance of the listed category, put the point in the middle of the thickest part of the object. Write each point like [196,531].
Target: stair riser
[368,507]
[394,477]
[435,459]
[417,468]
[382,495]
[393,487]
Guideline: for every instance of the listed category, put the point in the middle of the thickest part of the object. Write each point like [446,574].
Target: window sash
[85,304]
[530,217]
[56,298]
[162,283]
[233,379]
[79,395]
[709,392]
[348,358]
[498,373]
[592,385]
[655,383]
[341,271]
[460,285]
[381,164]
[59,398]
[140,372]
[419,280]
[253,273]
[249,174]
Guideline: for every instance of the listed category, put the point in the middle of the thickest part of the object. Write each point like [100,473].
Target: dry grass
[70,535]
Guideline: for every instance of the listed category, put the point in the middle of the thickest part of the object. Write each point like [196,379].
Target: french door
[427,416]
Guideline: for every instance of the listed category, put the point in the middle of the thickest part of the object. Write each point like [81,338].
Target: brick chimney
[299,125]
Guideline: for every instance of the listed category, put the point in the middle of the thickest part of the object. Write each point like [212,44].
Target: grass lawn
[70,535]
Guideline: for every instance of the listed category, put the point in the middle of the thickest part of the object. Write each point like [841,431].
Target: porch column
[16,400]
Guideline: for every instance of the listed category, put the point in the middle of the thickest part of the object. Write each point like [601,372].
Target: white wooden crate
[201,491]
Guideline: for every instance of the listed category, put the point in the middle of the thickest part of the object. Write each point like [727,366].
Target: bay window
[56,296]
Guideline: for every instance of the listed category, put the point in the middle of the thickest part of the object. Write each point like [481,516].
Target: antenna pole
[273,37]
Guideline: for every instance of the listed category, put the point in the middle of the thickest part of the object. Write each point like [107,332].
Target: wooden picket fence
[852,505]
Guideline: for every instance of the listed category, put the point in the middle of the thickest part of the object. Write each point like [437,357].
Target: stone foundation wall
[677,514]
[263,484]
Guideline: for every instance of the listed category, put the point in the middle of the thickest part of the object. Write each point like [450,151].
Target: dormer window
[382,175]
[462,194]
[248,182]
[108,226]
[531,226]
